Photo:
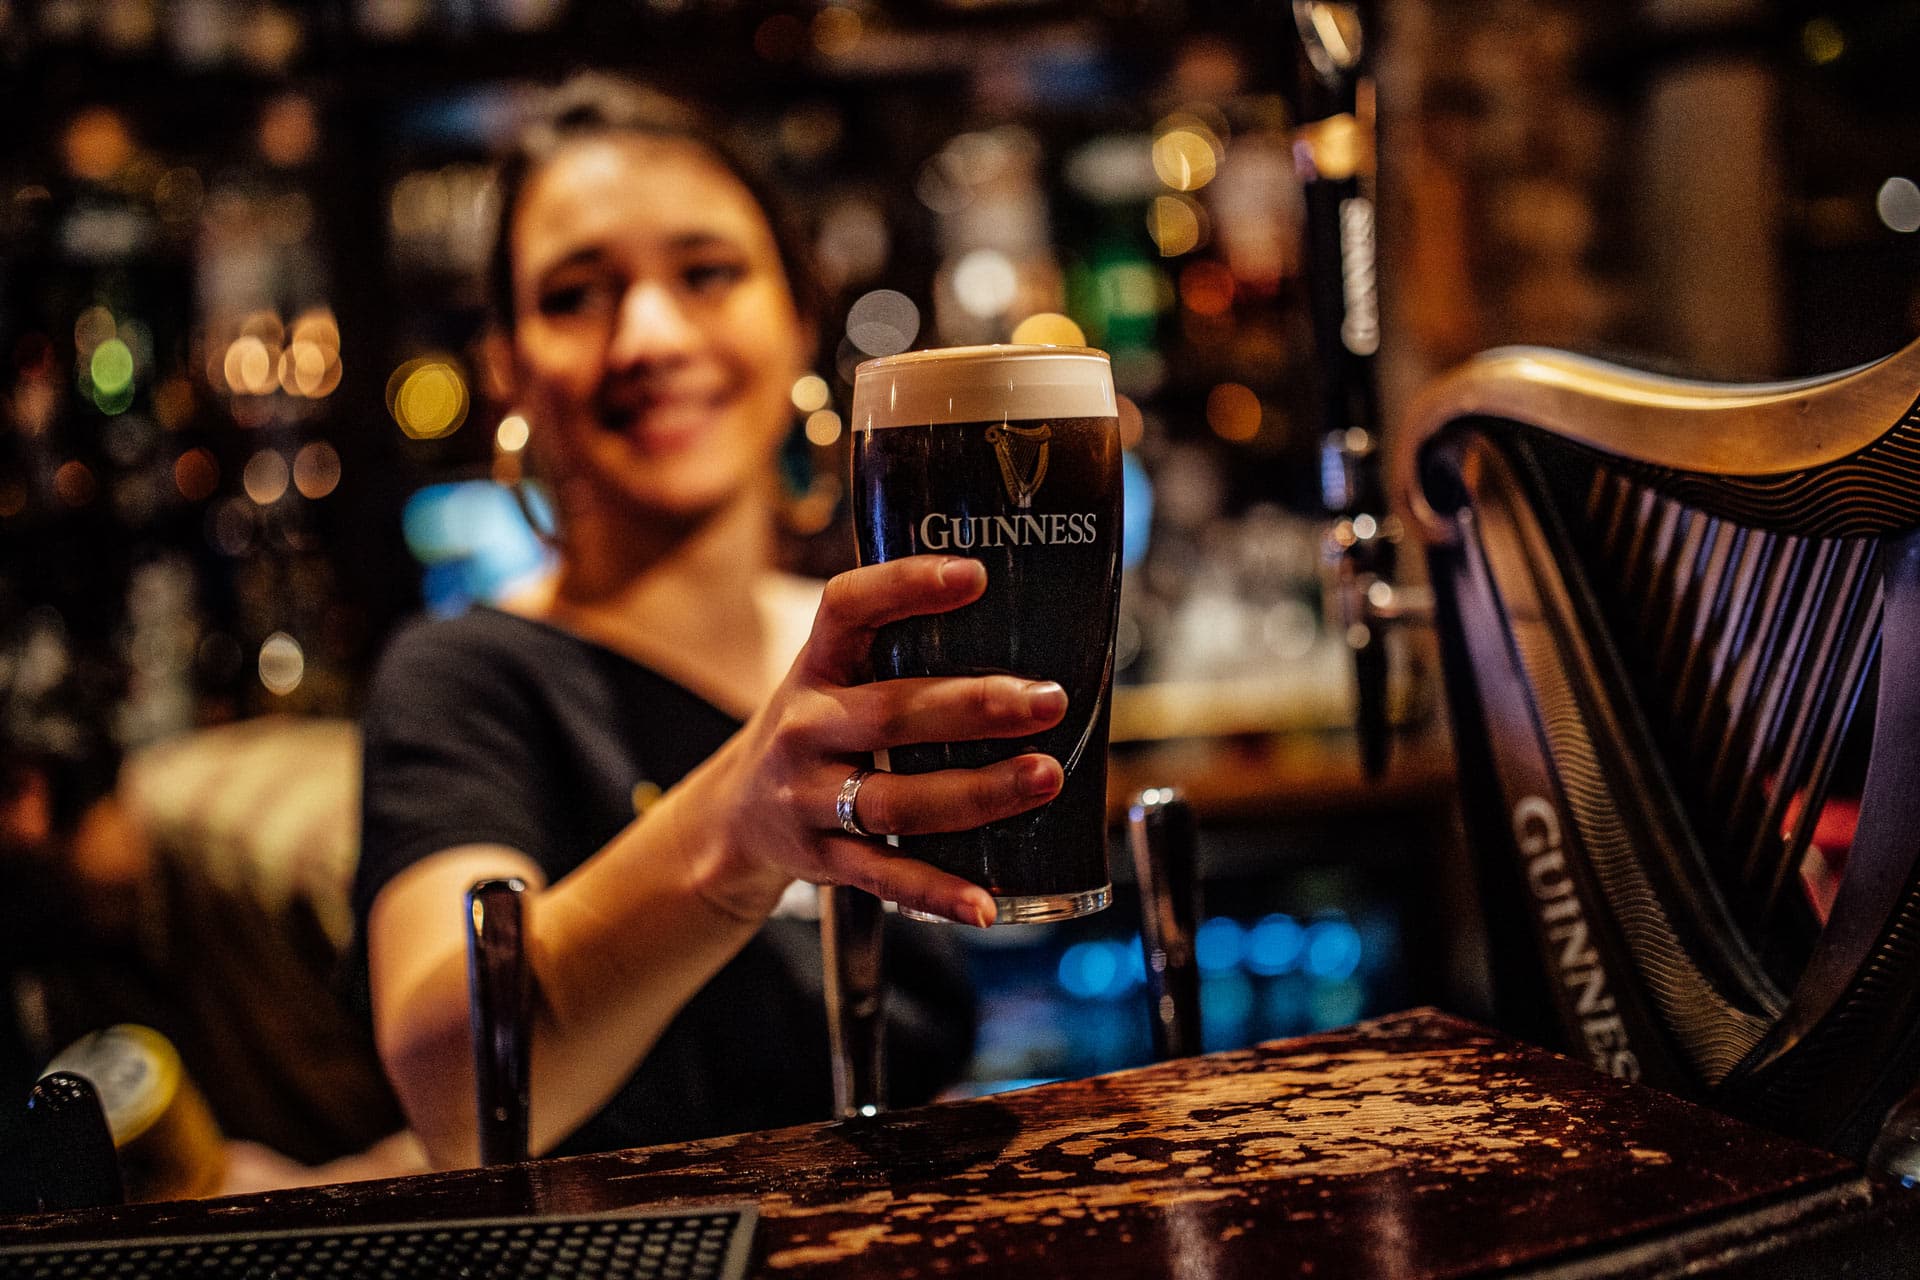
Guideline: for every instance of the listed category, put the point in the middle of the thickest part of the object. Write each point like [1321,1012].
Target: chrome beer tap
[852,951]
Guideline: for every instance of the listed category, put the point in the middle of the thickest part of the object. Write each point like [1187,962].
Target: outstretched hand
[781,775]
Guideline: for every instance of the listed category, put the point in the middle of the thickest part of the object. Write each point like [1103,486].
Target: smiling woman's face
[656,338]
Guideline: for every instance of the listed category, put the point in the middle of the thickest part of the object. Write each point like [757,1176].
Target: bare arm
[619,945]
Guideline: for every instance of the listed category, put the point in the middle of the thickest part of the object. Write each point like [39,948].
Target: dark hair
[595,104]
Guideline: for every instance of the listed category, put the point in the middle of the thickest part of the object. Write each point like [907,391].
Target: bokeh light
[809,131]
[1206,288]
[1333,949]
[1822,41]
[1233,412]
[836,31]
[74,484]
[427,397]
[249,366]
[474,539]
[125,27]
[265,477]
[91,328]
[318,326]
[1177,225]
[1339,146]
[883,323]
[1898,204]
[1102,969]
[1186,156]
[1129,289]
[1218,944]
[1275,945]
[329,380]
[316,469]
[1049,329]
[823,427]
[301,362]
[282,664]
[289,132]
[985,282]
[269,38]
[810,392]
[1113,169]
[111,402]
[196,475]
[1089,970]
[512,434]
[97,144]
[111,367]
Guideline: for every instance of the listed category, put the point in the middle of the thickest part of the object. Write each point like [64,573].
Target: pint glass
[1009,455]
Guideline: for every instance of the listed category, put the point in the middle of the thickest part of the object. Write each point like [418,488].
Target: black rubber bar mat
[696,1242]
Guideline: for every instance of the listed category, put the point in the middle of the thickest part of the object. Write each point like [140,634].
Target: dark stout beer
[1011,456]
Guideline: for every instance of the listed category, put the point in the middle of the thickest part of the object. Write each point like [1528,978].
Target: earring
[511,472]
[809,495]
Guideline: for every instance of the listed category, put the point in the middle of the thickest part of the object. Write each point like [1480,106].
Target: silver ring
[843,807]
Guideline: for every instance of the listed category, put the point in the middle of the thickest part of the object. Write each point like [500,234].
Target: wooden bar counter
[1416,1145]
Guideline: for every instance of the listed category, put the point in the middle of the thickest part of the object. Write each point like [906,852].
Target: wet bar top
[1416,1145]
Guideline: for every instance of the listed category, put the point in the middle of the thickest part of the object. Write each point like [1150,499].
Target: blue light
[1136,510]
[1226,1002]
[1219,944]
[445,590]
[1134,963]
[1333,950]
[473,540]
[1274,945]
[1091,970]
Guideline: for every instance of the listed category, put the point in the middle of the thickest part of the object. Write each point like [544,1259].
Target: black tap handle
[70,1146]
[1160,832]
[500,994]
[853,952]
[1334,160]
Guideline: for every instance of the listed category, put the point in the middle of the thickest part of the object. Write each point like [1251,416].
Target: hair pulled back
[598,105]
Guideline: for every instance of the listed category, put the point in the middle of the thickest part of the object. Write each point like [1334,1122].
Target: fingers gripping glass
[1009,455]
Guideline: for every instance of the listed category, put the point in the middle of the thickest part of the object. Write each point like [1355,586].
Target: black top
[495,729]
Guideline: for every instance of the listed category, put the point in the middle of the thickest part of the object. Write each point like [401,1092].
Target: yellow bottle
[169,1145]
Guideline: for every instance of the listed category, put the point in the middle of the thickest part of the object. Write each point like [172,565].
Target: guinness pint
[1011,456]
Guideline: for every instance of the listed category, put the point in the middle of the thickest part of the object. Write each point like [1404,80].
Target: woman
[651,331]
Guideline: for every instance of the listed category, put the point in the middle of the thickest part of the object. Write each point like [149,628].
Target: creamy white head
[982,384]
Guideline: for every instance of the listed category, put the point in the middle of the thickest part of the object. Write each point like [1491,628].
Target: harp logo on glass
[1022,452]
